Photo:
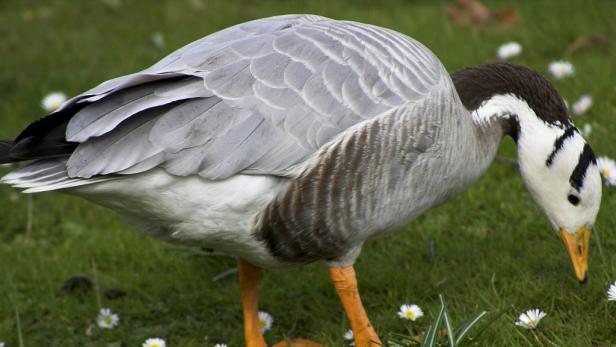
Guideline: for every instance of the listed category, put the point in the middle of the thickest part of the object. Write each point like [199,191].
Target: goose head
[556,164]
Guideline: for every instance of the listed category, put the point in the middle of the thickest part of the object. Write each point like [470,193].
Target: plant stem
[96,285]
[20,336]
[29,215]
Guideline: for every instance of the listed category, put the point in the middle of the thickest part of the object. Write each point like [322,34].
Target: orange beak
[576,245]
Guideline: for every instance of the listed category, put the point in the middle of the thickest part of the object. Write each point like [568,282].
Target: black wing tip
[5,150]
[41,139]
[31,148]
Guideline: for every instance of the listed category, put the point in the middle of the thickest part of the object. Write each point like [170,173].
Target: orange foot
[297,343]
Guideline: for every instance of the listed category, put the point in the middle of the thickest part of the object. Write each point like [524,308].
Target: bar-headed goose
[293,139]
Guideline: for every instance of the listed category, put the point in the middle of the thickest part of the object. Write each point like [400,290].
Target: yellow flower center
[530,322]
[261,324]
[409,314]
[154,345]
[107,320]
[605,171]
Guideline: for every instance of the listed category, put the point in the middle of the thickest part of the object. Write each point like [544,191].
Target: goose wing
[259,97]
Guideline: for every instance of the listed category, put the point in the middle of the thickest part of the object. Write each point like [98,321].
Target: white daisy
[611,292]
[348,335]
[154,342]
[607,167]
[560,69]
[220,345]
[107,319]
[509,50]
[586,130]
[1,344]
[265,321]
[89,330]
[530,318]
[582,104]
[158,40]
[53,101]
[410,312]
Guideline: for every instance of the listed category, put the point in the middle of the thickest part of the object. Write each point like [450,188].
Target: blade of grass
[432,335]
[224,274]
[20,336]
[466,326]
[29,216]
[447,320]
[483,327]
[97,287]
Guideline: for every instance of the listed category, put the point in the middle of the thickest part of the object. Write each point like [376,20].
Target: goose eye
[574,200]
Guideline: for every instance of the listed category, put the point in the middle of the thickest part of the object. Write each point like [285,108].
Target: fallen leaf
[467,12]
[507,17]
[473,12]
[478,13]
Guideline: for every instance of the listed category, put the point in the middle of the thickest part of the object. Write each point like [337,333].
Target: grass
[494,250]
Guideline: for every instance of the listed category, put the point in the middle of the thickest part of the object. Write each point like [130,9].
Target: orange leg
[249,278]
[346,286]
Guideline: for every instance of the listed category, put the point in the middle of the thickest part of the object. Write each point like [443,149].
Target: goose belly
[214,214]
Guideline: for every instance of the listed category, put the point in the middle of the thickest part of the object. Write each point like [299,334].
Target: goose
[297,138]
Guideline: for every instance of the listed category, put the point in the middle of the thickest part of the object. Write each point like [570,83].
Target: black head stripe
[558,144]
[579,173]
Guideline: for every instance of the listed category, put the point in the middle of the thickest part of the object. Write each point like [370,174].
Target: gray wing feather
[101,117]
[259,97]
[233,81]
[118,150]
[193,123]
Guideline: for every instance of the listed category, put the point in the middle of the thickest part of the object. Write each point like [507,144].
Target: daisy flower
[220,345]
[611,292]
[582,104]
[530,318]
[158,40]
[107,319]
[560,69]
[53,101]
[509,50]
[607,167]
[348,335]
[1,344]
[154,342]
[89,330]
[410,312]
[586,130]
[265,321]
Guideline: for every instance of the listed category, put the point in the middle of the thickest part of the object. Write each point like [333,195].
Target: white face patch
[556,164]
[505,107]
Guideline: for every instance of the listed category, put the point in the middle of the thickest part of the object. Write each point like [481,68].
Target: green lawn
[494,249]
